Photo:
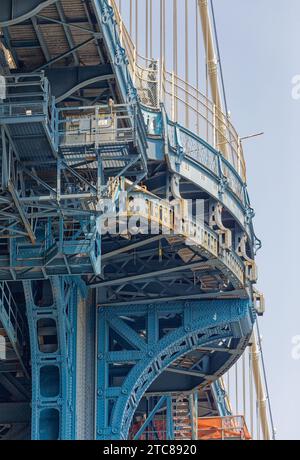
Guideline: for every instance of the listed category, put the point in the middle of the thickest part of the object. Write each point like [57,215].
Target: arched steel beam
[203,323]
[83,84]
[16,11]
[66,81]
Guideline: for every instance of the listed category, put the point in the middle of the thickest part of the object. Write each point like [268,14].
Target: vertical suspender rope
[161,31]
[131,18]
[197,64]
[228,385]
[175,37]
[136,25]
[175,56]
[206,35]
[164,41]
[164,29]
[151,29]
[161,51]
[236,390]
[251,391]
[162,46]
[187,63]
[244,384]
[147,29]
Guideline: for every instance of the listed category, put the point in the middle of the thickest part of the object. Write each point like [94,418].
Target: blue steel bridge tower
[114,335]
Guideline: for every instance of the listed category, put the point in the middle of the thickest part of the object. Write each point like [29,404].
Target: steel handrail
[224,132]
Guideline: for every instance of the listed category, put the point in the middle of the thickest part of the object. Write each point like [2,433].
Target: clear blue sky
[260,41]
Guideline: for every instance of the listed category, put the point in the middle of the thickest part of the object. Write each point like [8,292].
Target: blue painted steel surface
[119,60]
[158,406]
[50,208]
[203,323]
[51,312]
[193,158]
[220,398]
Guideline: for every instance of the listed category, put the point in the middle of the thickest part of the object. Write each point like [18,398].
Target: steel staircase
[182,418]
[12,325]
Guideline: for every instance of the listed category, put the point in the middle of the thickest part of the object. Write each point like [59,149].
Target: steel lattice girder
[203,323]
[152,269]
[51,312]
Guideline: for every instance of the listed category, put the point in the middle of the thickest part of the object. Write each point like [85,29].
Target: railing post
[162,80]
[96,129]
[239,168]
[134,64]
[99,174]
[214,127]
[194,414]
[173,97]
[169,421]
[134,112]
[58,180]
[157,84]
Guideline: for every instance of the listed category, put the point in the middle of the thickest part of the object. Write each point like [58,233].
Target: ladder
[183,417]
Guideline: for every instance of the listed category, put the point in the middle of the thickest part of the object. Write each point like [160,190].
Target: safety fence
[96,125]
[185,104]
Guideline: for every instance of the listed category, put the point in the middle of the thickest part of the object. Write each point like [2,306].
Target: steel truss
[129,362]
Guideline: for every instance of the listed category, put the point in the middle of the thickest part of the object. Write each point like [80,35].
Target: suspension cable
[151,29]
[164,26]
[228,386]
[162,30]
[251,390]
[187,62]
[219,56]
[162,46]
[175,37]
[147,29]
[244,384]
[266,381]
[175,56]
[136,25]
[236,389]
[130,18]
[197,63]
